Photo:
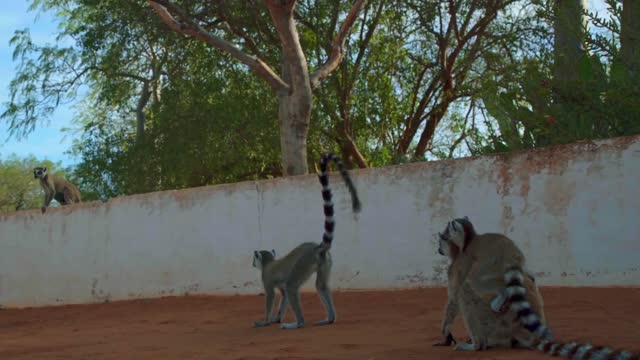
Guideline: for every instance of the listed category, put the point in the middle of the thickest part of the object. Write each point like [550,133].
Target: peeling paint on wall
[572,209]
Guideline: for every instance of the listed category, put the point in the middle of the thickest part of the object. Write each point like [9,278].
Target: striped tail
[329,222]
[577,351]
[516,296]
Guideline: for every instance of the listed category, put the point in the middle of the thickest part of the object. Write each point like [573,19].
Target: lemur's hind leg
[322,285]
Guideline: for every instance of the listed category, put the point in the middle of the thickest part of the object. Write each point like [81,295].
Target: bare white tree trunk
[294,114]
[294,110]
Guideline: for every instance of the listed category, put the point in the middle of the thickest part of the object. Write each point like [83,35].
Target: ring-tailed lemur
[290,272]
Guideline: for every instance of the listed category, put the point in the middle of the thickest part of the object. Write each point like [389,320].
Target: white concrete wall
[574,210]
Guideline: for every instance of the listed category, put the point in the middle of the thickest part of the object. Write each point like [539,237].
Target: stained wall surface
[574,210]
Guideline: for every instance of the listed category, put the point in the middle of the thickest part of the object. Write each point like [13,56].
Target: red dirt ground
[371,325]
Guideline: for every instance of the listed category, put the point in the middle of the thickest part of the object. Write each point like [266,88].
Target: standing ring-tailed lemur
[56,188]
[291,271]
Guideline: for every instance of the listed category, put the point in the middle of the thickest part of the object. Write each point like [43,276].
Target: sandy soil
[371,325]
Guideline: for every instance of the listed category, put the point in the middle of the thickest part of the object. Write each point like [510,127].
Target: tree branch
[453,12]
[237,30]
[367,39]
[463,135]
[263,31]
[417,115]
[350,146]
[336,46]
[192,29]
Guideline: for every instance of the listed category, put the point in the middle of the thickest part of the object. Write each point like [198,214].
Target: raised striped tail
[329,222]
[516,297]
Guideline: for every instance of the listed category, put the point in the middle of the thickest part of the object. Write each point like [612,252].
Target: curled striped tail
[516,296]
[329,222]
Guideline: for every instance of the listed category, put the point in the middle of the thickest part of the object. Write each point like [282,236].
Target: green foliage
[36,90]
[604,39]
[206,129]
[600,102]
[162,112]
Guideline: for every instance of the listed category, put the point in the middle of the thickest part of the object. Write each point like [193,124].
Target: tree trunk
[426,138]
[625,84]
[569,33]
[140,117]
[630,39]
[294,105]
[568,94]
[294,113]
[437,113]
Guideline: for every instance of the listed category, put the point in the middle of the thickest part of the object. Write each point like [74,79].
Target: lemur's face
[453,236]
[39,172]
[262,257]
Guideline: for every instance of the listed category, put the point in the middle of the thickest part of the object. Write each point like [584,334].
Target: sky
[48,141]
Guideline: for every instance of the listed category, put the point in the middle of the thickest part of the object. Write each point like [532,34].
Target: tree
[123,69]
[630,39]
[623,98]
[206,129]
[425,61]
[419,79]
[338,96]
[569,34]
[294,88]
[460,43]
[130,137]
[569,93]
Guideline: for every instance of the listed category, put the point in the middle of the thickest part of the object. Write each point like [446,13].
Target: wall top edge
[547,156]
